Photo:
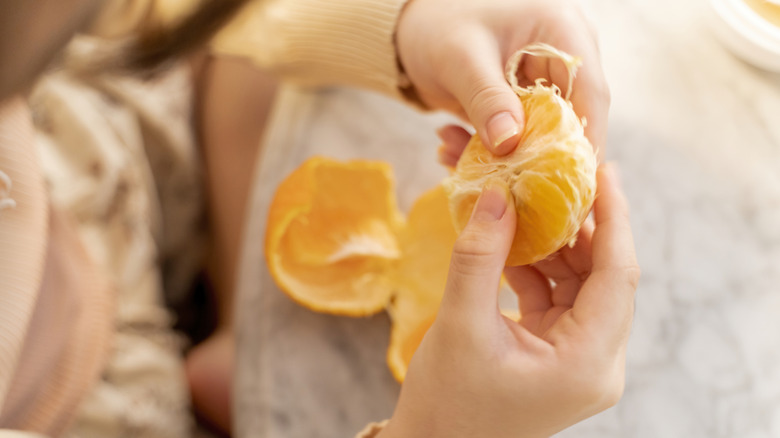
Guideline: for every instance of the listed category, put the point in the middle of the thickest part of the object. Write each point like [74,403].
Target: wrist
[406,86]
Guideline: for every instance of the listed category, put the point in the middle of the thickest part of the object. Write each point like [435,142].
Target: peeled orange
[551,174]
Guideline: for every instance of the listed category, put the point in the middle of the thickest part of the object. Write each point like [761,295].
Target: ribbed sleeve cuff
[320,42]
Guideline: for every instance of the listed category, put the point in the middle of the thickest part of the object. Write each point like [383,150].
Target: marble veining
[696,133]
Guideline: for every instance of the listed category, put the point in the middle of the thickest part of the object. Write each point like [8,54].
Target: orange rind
[331,235]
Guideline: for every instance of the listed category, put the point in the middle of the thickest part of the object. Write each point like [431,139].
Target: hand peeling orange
[336,241]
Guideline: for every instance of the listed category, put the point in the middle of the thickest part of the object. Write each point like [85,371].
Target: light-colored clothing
[86,346]
[321,42]
[53,297]
[308,42]
[119,160]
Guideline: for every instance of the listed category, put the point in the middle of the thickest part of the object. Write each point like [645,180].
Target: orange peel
[331,235]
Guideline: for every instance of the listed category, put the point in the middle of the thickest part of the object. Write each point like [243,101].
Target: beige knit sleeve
[320,42]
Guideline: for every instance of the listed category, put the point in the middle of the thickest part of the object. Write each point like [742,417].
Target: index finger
[591,99]
[606,301]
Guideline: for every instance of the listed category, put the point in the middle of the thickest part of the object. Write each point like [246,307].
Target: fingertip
[611,171]
[493,107]
[608,183]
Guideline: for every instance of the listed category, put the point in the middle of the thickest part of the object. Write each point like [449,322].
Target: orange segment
[426,245]
[551,174]
[331,235]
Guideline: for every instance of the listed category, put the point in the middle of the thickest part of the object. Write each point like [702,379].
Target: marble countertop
[696,133]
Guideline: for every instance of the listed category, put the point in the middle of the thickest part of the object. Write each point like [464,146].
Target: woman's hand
[454,52]
[479,374]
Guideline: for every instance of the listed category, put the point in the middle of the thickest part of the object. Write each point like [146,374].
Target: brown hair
[157,44]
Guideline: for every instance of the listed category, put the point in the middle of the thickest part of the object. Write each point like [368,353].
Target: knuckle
[485,95]
[633,273]
[471,246]
[472,253]
[452,52]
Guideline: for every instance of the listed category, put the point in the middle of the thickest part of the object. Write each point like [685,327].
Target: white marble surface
[696,133]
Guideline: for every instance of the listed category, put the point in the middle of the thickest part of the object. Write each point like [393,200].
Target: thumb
[480,253]
[492,107]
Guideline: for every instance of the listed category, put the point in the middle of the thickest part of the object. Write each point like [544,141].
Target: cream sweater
[55,306]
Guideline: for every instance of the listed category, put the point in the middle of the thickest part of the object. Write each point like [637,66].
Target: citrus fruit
[421,274]
[551,174]
[331,235]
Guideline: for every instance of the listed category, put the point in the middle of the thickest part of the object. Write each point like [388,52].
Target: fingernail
[502,127]
[492,202]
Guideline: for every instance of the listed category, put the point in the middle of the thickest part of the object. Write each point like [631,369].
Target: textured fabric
[309,42]
[120,159]
[23,232]
[119,18]
[66,343]
[54,313]
[320,42]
